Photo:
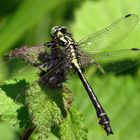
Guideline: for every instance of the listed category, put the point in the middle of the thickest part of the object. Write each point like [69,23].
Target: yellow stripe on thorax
[74,60]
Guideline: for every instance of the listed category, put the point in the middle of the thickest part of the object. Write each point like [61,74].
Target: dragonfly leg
[50,44]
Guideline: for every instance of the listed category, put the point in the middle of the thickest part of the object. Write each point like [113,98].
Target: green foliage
[40,108]
[29,22]
[24,18]
[49,111]
[8,132]
[73,127]
[120,97]
[8,109]
[43,111]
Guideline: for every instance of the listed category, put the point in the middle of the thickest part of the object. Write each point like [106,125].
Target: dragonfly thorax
[63,56]
[63,39]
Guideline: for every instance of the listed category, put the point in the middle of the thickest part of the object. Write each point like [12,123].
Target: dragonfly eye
[63,30]
[56,29]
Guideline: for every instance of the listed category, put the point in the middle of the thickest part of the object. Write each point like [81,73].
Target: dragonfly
[65,54]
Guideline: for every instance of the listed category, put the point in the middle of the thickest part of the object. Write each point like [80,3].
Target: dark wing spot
[135,49]
[128,15]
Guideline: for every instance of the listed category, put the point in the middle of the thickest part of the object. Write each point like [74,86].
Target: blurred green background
[28,22]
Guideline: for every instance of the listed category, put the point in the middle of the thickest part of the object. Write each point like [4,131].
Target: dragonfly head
[58,31]
[60,35]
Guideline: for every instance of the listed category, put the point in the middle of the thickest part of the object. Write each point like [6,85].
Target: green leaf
[14,88]
[8,111]
[73,127]
[50,111]
[8,132]
[30,12]
[13,91]
[46,108]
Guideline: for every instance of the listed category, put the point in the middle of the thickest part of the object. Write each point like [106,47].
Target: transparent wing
[109,36]
[117,61]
